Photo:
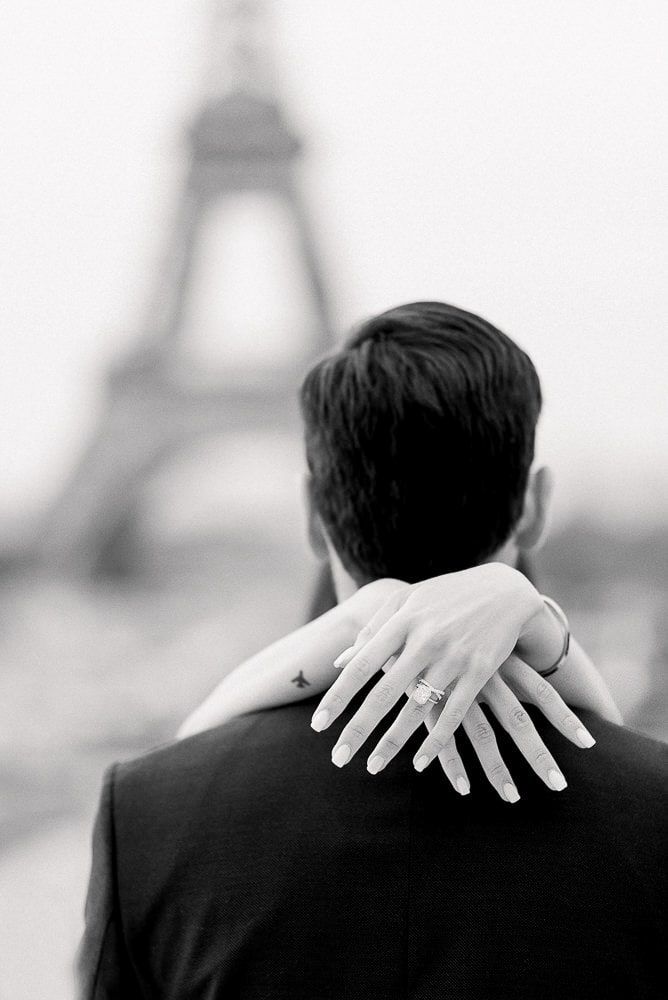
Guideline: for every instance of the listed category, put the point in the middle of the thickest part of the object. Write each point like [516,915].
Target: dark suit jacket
[242,864]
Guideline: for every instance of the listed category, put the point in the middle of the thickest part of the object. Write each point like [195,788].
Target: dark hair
[419,440]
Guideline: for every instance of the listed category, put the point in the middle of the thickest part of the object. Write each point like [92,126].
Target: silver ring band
[563,621]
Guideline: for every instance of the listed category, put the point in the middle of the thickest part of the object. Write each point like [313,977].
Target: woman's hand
[502,693]
[454,631]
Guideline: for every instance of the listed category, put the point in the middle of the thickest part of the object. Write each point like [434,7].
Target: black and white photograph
[334,519]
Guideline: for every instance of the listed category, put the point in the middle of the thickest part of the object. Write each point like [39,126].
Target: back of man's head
[419,439]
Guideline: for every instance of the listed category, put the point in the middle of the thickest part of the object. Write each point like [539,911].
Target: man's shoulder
[626,771]
[635,753]
[277,747]
[252,748]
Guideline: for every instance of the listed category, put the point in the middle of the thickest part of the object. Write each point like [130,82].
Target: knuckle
[357,730]
[477,666]
[450,749]
[458,658]
[429,642]
[519,719]
[391,744]
[334,703]
[482,734]
[436,745]
[360,668]
[453,714]
[542,756]
[497,770]
[417,711]
[570,721]
[384,694]
[544,692]
[412,618]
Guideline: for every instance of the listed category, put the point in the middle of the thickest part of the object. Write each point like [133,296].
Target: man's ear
[316,535]
[532,528]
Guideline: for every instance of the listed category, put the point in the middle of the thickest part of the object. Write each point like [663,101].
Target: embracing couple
[426,791]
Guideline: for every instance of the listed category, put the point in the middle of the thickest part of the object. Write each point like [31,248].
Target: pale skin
[478,634]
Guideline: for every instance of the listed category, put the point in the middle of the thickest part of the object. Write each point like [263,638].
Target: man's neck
[345,586]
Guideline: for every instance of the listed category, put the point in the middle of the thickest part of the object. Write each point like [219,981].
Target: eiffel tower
[158,401]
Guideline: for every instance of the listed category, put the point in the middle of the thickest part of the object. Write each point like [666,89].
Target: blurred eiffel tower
[158,400]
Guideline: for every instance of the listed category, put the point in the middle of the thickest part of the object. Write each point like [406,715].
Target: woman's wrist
[541,641]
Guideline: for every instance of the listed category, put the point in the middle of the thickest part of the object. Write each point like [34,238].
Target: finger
[344,657]
[400,679]
[378,702]
[383,615]
[531,687]
[482,737]
[458,704]
[450,761]
[358,672]
[516,721]
[479,731]
[410,718]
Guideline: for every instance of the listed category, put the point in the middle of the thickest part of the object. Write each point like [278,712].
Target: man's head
[419,440]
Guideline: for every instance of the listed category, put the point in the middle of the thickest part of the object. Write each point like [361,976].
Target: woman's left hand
[514,684]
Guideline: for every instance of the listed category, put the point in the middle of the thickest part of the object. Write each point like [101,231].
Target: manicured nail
[376,764]
[511,792]
[463,786]
[341,755]
[421,762]
[343,658]
[320,720]
[585,738]
[557,780]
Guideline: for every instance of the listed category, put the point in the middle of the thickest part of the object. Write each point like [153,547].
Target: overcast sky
[508,157]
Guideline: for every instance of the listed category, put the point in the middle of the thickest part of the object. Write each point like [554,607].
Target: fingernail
[585,738]
[421,762]
[557,780]
[320,720]
[511,792]
[463,786]
[376,764]
[340,661]
[341,755]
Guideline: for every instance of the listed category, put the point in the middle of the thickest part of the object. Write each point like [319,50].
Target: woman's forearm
[293,668]
[290,669]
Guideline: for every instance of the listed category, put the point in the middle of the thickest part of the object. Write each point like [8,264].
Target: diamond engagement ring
[425,692]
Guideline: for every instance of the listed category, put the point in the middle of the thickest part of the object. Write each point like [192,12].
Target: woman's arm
[469,622]
[295,667]
[300,664]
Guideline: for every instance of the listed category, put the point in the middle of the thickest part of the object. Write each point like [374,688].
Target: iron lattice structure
[156,404]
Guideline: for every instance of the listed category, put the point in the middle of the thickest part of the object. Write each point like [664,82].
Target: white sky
[509,157]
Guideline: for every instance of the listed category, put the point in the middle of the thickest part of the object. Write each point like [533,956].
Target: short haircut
[419,441]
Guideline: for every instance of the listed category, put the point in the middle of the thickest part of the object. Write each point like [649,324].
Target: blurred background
[197,199]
